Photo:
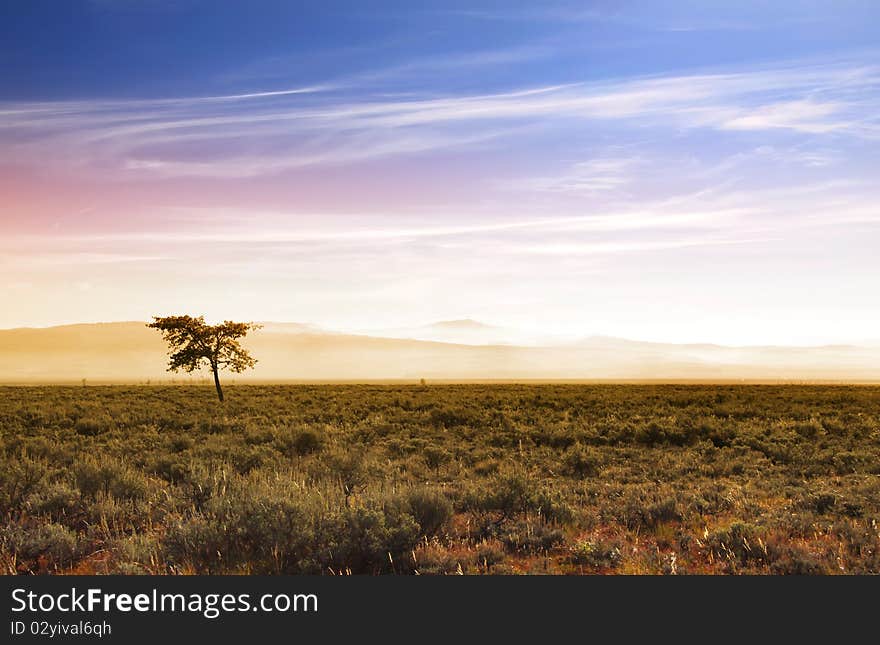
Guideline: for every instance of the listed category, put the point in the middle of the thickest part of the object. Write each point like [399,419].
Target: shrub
[436,457]
[136,555]
[366,540]
[847,462]
[110,477]
[242,531]
[93,425]
[206,481]
[258,437]
[19,477]
[508,494]
[180,443]
[532,537]
[651,434]
[430,557]
[34,541]
[451,417]
[596,553]
[275,523]
[247,459]
[738,544]
[810,429]
[552,505]
[490,553]
[793,560]
[820,502]
[486,467]
[646,510]
[350,470]
[308,442]
[580,461]
[170,468]
[56,500]
[430,508]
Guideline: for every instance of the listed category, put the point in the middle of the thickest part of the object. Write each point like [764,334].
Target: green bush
[243,532]
[273,523]
[581,461]
[490,553]
[366,540]
[532,537]
[136,554]
[170,468]
[20,476]
[349,468]
[739,544]
[508,494]
[32,541]
[110,477]
[93,425]
[452,417]
[431,509]
[791,560]
[56,500]
[308,442]
[436,457]
[597,553]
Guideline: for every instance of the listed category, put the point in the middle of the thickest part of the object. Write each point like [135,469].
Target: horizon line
[562,339]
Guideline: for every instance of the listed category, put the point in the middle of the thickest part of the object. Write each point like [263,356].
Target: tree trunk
[217,384]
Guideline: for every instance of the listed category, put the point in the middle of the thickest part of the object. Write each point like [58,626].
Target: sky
[665,171]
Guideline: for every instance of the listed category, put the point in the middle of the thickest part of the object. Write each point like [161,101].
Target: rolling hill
[130,352]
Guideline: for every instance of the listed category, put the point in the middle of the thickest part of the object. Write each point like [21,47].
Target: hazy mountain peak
[461,324]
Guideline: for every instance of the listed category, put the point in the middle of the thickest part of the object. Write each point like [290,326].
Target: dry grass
[472,479]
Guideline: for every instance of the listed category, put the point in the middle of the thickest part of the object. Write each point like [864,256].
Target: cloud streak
[244,135]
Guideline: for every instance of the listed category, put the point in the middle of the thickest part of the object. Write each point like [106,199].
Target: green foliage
[20,476]
[597,553]
[739,544]
[278,524]
[110,477]
[94,425]
[57,500]
[307,442]
[431,509]
[581,461]
[194,344]
[531,536]
[48,545]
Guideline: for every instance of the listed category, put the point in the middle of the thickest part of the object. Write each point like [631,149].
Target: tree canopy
[194,343]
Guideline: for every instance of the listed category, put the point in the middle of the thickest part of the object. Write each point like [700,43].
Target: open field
[470,479]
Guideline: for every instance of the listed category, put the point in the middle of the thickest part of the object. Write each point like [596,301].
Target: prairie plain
[440,479]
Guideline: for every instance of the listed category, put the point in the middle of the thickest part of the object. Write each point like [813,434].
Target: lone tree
[194,343]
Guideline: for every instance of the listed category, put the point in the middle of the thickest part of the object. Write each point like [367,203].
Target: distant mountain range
[448,350]
[465,331]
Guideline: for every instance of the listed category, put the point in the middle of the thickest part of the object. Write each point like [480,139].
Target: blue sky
[149,48]
[670,171]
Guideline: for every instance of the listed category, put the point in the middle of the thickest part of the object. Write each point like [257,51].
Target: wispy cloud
[598,175]
[61,257]
[615,247]
[653,16]
[802,115]
[727,216]
[247,134]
